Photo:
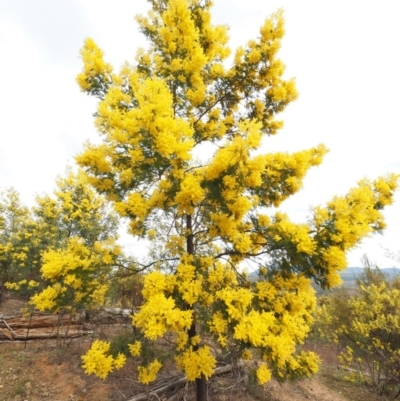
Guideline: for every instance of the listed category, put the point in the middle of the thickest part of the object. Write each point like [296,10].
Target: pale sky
[344,55]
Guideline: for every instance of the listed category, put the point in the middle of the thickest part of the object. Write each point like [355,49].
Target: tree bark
[201,383]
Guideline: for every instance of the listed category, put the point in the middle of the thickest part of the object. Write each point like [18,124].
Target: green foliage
[119,344]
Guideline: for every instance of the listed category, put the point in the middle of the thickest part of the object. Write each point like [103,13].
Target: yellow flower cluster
[191,193]
[21,283]
[197,363]
[97,361]
[190,286]
[219,276]
[135,348]
[159,315]
[79,269]
[255,327]
[247,355]
[219,325]
[237,301]
[94,66]
[263,374]
[157,283]
[47,299]
[148,373]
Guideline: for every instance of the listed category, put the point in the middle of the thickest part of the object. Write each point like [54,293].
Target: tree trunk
[201,388]
[2,291]
[201,383]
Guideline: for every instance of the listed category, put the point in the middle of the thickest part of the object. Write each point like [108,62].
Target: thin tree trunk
[2,290]
[201,383]
[29,326]
[201,389]
[175,382]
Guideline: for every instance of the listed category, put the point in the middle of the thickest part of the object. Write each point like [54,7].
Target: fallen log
[41,327]
[10,330]
[107,316]
[35,321]
[6,333]
[50,333]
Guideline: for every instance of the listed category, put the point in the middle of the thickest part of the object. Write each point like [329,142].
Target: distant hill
[351,273]
[348,276]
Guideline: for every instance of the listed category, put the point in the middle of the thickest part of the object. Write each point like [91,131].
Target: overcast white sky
[343,54]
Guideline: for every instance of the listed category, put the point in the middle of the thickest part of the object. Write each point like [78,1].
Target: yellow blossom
[148,373]
[197,363]
[263,374]
[98,362]
[135,348]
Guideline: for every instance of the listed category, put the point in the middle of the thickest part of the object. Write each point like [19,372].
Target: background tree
[72,248]
[365,323]
[181,159]
[126,287]
[75,210]
[81,249]
[13,238]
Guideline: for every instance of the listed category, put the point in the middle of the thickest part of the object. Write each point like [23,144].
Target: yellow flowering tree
[62,252]
[77,261]
[366,326]
[181,159]
[14,249]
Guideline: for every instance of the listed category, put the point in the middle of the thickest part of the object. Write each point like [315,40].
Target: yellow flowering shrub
[366,326]
[180,159]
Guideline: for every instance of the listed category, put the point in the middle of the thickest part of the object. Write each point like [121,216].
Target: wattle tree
[181,158]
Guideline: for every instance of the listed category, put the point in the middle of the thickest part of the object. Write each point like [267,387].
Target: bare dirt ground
[37,371]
